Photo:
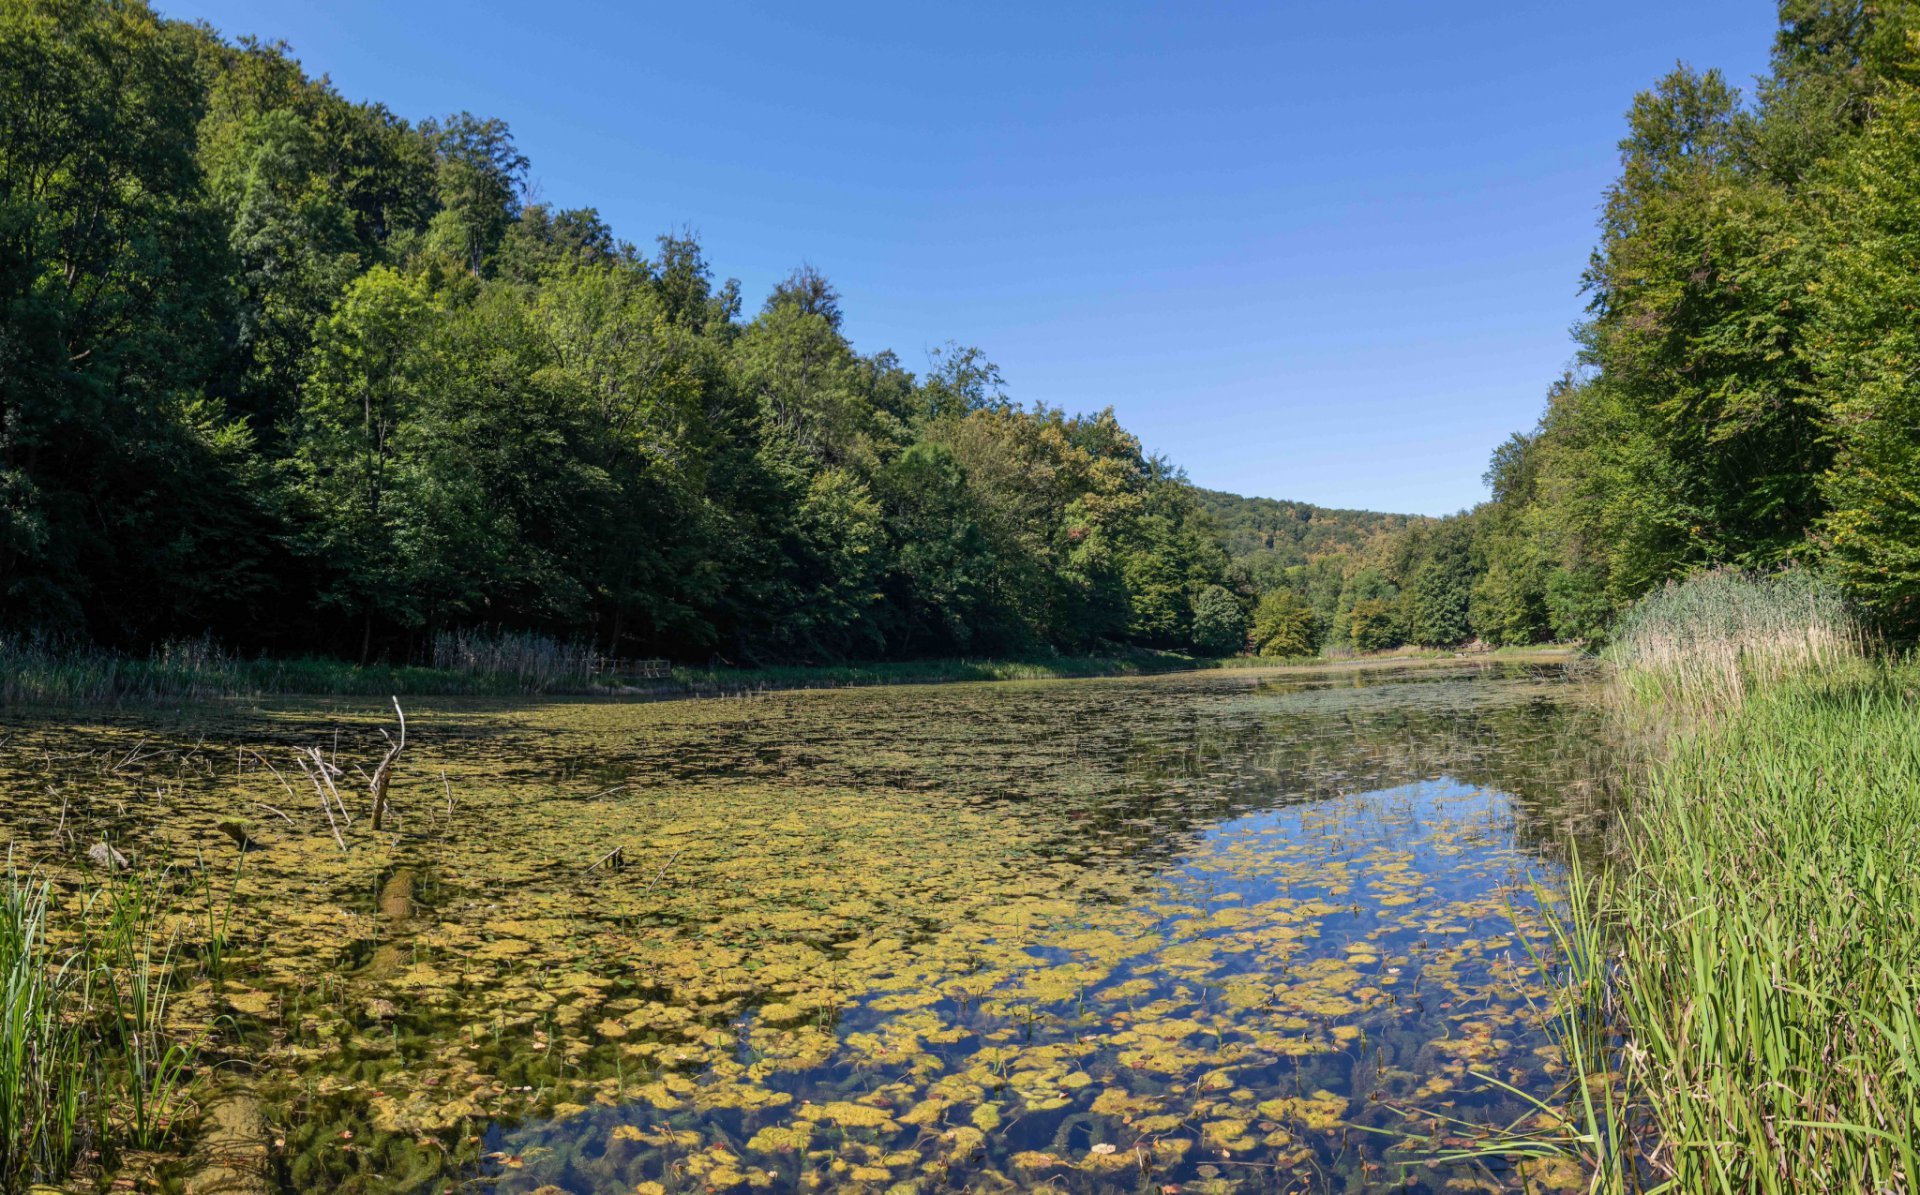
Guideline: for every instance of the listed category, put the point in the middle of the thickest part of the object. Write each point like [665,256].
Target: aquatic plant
[1759,1014]
[538,663]
[44,1055]
[1198,930]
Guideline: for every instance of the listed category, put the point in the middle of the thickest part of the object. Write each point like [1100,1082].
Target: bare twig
[615,856]
[661,874]
[325,806]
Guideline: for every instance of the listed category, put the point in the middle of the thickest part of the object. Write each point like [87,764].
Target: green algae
[1212,933]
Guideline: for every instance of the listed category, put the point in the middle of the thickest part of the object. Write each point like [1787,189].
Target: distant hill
[1270,535]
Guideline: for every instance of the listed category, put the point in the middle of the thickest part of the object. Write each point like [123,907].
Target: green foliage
[1866,349]
[1219,622]
[90,1062]
[1375,624]
[1268,538]
[296,371]
[1284,626]
[301,372]
[1508,606]
[1774,1015]
[1441,590]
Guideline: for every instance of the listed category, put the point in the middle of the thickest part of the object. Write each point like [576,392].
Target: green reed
[45,1061]
[1761,1002]
[38,670]
[1767,920]
[88,1061]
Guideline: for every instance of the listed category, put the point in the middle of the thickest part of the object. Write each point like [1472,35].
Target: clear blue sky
[1326,251]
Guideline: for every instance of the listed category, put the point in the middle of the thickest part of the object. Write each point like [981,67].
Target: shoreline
[105,680]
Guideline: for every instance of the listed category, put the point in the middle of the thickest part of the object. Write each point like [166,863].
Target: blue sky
[1326,251]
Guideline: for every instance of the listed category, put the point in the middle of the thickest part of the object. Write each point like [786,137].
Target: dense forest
[300,373]
[304,375]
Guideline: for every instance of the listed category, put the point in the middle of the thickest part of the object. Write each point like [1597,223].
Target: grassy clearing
[91,1069]
[1756,983]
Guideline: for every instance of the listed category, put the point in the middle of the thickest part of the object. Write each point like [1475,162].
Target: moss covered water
[1203,932]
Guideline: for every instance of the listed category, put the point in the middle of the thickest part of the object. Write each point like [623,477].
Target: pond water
[1209,932]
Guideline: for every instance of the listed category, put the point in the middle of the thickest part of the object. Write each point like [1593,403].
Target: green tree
[479,174]
[1441,589]
[1867,351]
[1375,625]
[1219,622]
[1284,625]
[351,449]
[112,297]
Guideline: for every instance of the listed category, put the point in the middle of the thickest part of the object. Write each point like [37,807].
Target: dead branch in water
[383,774]
[617,857]
[661,874]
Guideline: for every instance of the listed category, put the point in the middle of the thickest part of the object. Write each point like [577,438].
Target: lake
[1222,931]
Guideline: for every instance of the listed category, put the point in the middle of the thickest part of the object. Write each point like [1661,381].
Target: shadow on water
[1212,932]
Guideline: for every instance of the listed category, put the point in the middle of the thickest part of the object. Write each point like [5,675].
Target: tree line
[1747,386]
[307,375]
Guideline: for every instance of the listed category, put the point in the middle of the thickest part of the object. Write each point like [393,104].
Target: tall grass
[1762,912]
[1703,644]
[44,1058]
[88,1061]
[537,663]
[1767,920]
[38,669]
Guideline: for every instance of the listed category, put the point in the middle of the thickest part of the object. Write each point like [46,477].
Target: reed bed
[40,670]
[1767,922]
[1760,996]
[537,663]
[1701,645]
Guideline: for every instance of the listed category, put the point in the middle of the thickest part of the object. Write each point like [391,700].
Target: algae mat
[1208,932]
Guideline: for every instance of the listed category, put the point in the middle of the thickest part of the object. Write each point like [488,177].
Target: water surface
[1211,932]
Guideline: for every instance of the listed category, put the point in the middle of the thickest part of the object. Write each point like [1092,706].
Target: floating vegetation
[1206,933]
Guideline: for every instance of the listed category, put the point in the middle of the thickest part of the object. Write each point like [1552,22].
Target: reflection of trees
[1228,752]
[1132,769]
